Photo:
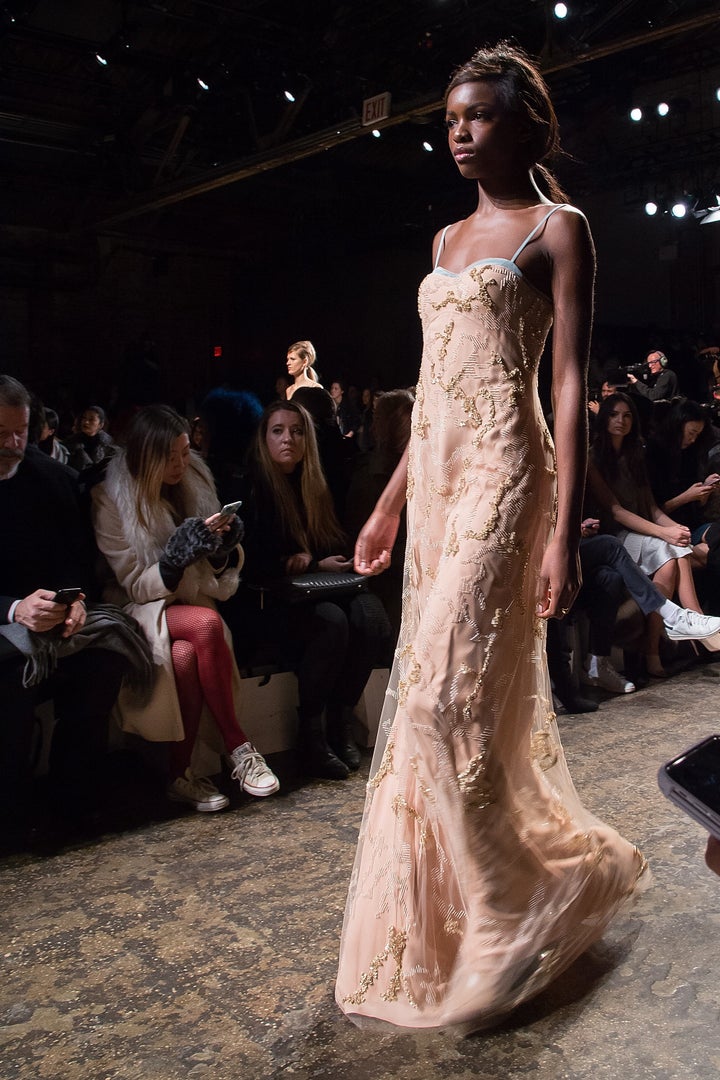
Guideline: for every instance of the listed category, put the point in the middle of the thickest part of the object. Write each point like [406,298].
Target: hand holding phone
[692,782]
[67,596]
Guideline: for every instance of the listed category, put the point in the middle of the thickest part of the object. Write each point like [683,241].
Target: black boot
[315,754]
[339,720]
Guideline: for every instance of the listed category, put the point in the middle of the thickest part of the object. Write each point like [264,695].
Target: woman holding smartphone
[173,556]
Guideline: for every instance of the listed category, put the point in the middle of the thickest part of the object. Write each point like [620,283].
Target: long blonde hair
[306,351]
[148,442]
[320,529]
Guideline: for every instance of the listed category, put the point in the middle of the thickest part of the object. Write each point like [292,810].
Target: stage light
[679,210]
[202,84]
[376,133]
[651,209]
[428,146]
[636,114]
[561,11]
[289,96]
[663,108]
[101,59]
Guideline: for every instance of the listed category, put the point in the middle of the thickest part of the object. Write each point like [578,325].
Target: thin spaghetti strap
[441,245]
[531,234]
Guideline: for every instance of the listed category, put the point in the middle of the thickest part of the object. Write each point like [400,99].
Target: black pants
[331,646]
[84,689]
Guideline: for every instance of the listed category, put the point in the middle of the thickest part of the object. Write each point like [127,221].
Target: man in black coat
[46,545]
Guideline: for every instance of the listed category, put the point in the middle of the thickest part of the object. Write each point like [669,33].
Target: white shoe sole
[202,808]
[260,793]
[710,641]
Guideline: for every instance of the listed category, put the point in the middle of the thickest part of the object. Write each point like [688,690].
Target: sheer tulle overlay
[479,875]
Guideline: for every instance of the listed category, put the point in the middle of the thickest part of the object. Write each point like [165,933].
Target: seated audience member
[229,419]
[92,444]
[365,435]
[48,441]
[173,555]
[371,472]
[618,483]
[51,649]
[609,386]
[331,644]
[301,359]
[608,575]
[680,476]
[346,416]
[336,453]
[663,385]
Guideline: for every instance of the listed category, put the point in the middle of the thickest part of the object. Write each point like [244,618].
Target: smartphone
[66,596]
[231,508]
[692,782]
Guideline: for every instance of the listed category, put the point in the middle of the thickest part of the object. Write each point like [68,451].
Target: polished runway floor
[150,944]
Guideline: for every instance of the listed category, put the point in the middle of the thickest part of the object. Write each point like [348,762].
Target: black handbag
[315,586]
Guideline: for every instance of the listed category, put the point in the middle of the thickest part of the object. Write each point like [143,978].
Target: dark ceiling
[138,146]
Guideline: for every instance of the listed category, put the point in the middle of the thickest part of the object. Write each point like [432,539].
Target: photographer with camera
[664,384]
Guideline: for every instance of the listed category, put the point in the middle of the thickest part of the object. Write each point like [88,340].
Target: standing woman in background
[173,556]
[480,876]
[301,358]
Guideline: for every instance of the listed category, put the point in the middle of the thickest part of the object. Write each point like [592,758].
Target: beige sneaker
[251,771]
[198,792]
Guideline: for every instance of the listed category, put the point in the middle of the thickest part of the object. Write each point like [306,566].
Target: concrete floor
[149,943]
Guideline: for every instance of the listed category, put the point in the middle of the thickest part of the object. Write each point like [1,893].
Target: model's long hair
[523,91]
[148,444]
[632,451]
[313,524]
[306,350]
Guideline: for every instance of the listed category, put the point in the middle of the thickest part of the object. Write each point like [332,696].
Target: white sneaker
[251,771]
[198,792]
[692,626]
[604,674]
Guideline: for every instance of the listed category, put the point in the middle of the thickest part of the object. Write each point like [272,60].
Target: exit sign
[375,109]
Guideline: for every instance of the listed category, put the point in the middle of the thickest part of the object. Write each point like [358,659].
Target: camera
[638,370]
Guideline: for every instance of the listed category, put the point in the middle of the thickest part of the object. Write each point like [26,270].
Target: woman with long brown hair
[333,643]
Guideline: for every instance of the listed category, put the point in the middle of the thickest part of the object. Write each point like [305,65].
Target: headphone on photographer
[659,357]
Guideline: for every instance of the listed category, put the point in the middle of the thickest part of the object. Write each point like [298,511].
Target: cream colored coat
[133,554]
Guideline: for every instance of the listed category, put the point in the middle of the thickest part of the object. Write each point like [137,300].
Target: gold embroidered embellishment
[474,785]
[397,940]
[385,768]
[542,750]
[400,803]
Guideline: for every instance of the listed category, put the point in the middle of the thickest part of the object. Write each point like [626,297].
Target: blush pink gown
[479,875]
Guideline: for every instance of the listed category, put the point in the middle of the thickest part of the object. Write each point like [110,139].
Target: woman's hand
[375,542]
[218,523]
[696,493]
[560,580]
[298,564]
[335,564]
[679,535]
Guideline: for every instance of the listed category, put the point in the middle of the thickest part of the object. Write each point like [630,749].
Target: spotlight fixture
[651,208]
[375,133]
[679,210]
[289,96]
[561,11]
[202,84]
[428,146]
[636,114]
[717,93]
[102,60]
[663,108]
